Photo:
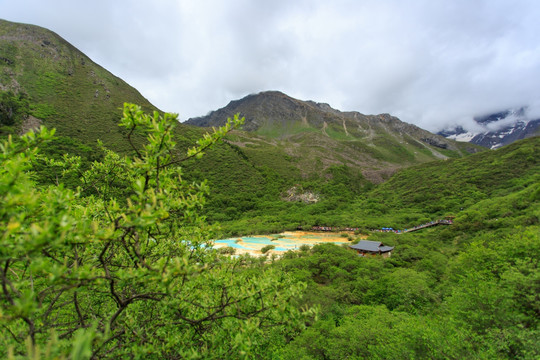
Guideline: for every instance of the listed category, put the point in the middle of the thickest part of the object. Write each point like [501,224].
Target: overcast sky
[432,63]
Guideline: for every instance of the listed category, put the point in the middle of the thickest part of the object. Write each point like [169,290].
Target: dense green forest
[109,256]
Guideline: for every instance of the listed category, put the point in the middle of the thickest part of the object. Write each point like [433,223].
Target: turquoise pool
[283,242]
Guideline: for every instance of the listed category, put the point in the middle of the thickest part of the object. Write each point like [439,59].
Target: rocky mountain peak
[496,129]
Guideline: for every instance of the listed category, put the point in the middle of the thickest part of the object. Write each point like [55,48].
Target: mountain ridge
[375,143]
[271,109]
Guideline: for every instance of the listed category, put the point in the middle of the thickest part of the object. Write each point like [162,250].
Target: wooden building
[366,247]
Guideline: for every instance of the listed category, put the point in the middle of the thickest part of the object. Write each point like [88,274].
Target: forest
[110,255]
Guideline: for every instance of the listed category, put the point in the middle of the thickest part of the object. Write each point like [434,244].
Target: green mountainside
[313,136]
[457,188]
[65,89]
[91,275]
[412,196]
[123,267]
[290,150]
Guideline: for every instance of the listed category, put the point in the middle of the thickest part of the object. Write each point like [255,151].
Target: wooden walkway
[433,223]
[416,228]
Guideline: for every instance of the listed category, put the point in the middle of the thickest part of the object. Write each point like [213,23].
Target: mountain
[488,189]
[497,129]
[315,133]
[65,89]
[289,149]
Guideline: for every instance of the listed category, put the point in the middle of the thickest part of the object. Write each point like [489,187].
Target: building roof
[371,246]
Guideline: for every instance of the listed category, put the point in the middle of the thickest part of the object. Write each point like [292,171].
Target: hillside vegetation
[106,249]
[65,89]
[313,137]
[469,290]
[296,145]
[102,272]
[412,196]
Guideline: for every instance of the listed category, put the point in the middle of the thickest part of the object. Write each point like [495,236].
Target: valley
[122,248]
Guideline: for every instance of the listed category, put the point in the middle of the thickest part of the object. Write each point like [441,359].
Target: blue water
[254,240]
[290,243]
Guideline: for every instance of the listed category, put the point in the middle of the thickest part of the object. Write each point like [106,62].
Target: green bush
[304,247]
[267,248]
[13,108]
[227,250]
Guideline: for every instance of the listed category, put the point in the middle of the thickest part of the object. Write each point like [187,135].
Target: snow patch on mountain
[497,129]
[465,137]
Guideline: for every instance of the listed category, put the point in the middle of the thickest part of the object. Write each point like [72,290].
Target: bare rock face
[296,194]
[435,142]
[30,123]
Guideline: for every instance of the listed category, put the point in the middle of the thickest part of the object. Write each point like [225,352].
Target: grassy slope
[247,175]
[412,196]
[66,89]
[446,187]
[314,137]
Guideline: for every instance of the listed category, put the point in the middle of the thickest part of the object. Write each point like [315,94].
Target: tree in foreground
[123,266]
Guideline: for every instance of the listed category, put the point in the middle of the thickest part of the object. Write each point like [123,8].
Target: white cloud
[431,63]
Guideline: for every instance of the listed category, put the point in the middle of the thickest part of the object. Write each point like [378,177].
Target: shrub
[304,247]
[227,250]
[267,248]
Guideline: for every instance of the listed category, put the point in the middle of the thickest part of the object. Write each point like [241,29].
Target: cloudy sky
[433,63]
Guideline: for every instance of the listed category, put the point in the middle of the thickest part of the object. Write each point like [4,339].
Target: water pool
[291,240]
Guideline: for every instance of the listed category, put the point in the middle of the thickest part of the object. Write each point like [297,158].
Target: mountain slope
[65,88]
[288,143]
[505,181]
[316,137]
[459,183]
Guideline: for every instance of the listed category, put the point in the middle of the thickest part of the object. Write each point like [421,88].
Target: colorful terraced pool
[291,240]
